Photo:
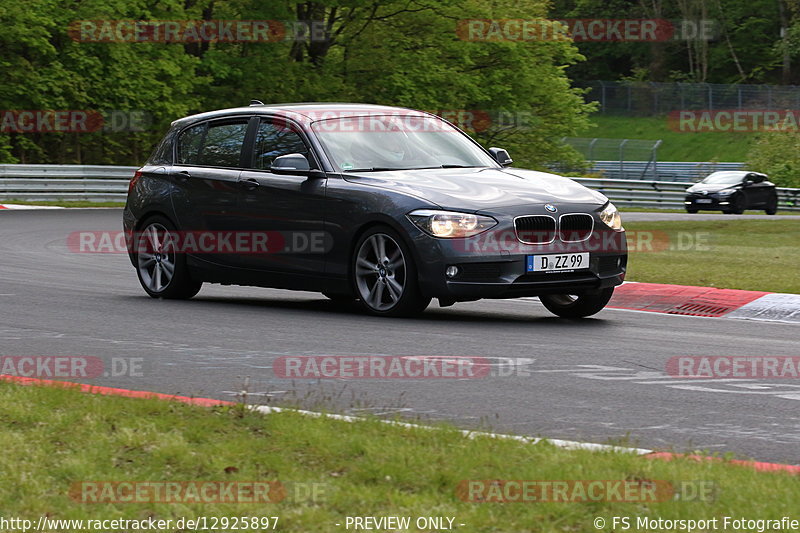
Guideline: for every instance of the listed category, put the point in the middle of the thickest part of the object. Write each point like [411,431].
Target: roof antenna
[256,102]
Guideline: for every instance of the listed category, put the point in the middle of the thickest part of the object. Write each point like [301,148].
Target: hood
[711,187]
[476,189]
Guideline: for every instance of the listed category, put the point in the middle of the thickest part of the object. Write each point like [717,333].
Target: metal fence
[622,150]
[653,98]
[107,183]
[665,194]
[64,182]
[681,171]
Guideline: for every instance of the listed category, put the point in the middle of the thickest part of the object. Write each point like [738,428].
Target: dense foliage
[398,52]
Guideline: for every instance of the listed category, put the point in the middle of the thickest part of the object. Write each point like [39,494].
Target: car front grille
[575,228]
[535,229]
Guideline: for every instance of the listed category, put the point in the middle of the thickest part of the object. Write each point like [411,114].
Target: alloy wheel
[381,272]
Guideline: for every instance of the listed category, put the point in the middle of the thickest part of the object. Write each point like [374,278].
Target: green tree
[777,154]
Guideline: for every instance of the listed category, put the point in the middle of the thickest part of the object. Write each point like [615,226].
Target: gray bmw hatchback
[381,206]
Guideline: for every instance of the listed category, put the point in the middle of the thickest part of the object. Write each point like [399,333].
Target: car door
[289,209]
[206,178]
[757,190]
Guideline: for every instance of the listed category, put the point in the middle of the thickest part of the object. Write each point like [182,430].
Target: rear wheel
[577,305]
[160,266]
[691,210]
[772,206]
[384,275]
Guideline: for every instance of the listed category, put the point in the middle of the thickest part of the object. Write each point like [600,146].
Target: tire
[691,210]
[384,276]
[772,206]
[738,204]
[155,257]
[577,306]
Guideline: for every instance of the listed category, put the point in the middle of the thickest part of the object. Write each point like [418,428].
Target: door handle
[249,183]
[184,175]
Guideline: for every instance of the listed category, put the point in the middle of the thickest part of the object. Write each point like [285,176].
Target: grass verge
[760,255]
[676,146]
[55,437]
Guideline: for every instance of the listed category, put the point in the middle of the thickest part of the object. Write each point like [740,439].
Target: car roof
[304,112]
[736,172]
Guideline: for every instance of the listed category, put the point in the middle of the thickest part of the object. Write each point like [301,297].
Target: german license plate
[549,263]
[703,200]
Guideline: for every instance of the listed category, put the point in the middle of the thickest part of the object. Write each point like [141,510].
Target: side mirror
[501,156]
[294,164]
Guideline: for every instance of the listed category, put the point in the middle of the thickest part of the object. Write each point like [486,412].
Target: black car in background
[382,206]
[732,192]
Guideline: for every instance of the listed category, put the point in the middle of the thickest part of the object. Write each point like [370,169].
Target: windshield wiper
[374,169]
[378,169]
[448,166]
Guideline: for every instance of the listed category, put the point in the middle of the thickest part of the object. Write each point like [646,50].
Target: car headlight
[724,193]
[450,224]
[610,216]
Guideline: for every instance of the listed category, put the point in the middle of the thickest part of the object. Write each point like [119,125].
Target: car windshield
[724,178]
[394,142]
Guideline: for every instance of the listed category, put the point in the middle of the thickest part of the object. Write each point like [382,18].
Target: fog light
[452,271]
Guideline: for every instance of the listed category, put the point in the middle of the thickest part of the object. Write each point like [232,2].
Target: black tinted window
[213,145]
[162,155]
[274,140]
[223,145]
[189,145]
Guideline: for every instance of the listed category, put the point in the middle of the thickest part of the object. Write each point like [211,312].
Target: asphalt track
[597,380]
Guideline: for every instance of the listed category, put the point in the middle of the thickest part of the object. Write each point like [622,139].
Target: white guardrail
[110,183]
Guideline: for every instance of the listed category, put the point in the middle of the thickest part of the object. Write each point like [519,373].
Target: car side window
[274,140]
[162,155]
[223,145]
[189,144]
[213,145]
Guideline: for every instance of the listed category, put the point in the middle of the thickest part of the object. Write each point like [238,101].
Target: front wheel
[577,305]
[161,267]
[738,204]
[384,275]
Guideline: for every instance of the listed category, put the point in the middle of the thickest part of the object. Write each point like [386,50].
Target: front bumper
[707,202]
[493,265]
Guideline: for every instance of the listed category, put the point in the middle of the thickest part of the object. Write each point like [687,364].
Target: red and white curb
[28,207]
[707,302]
[565,444]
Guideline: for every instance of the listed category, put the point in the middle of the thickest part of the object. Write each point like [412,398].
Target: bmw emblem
[550,207]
